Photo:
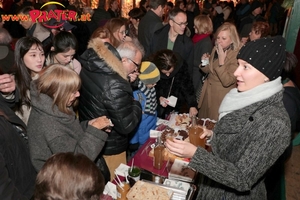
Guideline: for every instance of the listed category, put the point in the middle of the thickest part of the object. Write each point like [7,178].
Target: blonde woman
[52,125]
[222,63]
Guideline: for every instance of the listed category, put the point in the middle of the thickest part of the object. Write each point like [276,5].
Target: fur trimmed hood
[109,55]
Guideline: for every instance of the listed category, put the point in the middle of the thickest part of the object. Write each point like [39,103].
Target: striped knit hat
[149,74]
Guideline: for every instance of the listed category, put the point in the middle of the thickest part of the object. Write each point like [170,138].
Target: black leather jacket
[106,91]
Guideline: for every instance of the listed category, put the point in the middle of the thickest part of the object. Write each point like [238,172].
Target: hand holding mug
[205,59]
[206,133]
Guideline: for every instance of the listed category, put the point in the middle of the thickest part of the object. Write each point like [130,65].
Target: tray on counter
[178,194]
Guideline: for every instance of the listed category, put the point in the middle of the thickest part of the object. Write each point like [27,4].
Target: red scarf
[198,37]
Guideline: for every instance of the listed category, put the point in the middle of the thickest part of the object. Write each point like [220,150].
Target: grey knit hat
[149,74]
[266,54]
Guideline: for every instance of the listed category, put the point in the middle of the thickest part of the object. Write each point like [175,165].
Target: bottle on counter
[158,154]
[195,131]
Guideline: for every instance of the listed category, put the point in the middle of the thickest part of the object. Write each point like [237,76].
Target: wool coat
[106,91]
[245,144]
[51,131]
[218,83]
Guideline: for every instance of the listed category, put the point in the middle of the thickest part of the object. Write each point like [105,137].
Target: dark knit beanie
[149,74]
[256,4]
[266,54]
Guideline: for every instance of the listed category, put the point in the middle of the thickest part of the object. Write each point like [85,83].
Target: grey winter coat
[246,143]
[51,131]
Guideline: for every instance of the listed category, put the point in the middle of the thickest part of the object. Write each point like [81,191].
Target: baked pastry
[168,132]
[182,119]
[209,124]
[183,134]
[147,191]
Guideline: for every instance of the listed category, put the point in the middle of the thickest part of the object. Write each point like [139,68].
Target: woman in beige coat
[219,66]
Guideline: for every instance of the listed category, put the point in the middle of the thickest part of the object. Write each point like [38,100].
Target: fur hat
[149,74]
[266,54]
[7,60]
[255,4]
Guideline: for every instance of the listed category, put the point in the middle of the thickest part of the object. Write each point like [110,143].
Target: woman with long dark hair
[29,61]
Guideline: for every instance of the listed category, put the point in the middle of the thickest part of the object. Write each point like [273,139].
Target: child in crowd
[146,95]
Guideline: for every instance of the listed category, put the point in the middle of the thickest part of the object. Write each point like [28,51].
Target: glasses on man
[137,65]
[180,24]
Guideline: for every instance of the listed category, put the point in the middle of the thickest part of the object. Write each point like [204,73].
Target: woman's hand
[101,123]
[206,133]
[221,54]
[181,148]
[193,111]
[163,101]
[205,59]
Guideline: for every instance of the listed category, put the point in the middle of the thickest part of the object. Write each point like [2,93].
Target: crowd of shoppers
[80,95]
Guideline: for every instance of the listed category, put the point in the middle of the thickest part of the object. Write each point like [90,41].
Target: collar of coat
[105,52]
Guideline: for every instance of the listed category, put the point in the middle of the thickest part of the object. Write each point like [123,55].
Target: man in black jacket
[106,91]
[172,37]
[151,22]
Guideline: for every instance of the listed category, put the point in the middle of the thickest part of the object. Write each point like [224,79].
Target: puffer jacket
[106,91]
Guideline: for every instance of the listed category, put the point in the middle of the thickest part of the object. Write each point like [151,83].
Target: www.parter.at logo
[45,16]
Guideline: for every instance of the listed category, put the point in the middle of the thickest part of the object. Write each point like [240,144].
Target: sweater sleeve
[261,153]
[90,143]
[47,141]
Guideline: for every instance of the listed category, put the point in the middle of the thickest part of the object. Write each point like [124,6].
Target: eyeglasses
[137,65]
[181,24]
[124,32]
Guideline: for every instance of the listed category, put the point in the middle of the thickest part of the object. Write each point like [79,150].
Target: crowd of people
[80,98]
